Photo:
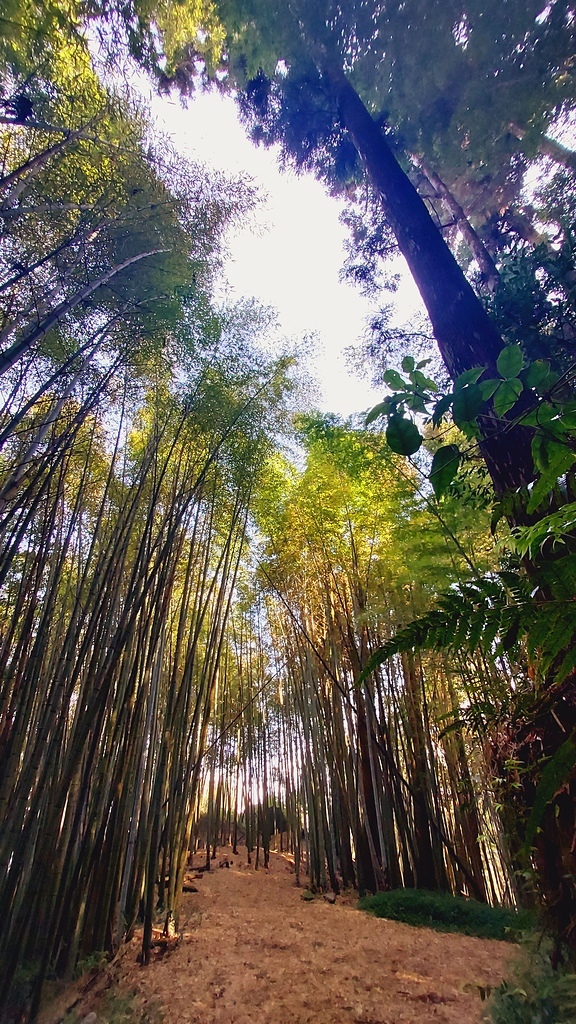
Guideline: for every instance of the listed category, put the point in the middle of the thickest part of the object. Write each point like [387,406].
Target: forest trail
[253,951]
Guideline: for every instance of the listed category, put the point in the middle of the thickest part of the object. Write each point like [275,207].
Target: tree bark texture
[463,330]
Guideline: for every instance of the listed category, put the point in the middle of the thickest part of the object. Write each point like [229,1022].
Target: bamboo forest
[240,632]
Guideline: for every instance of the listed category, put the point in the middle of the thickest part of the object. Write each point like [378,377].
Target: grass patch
[446,913]
[95,962]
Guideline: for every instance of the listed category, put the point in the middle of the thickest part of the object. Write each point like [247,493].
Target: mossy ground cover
[446,913]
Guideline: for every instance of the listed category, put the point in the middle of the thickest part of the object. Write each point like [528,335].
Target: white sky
[291,258]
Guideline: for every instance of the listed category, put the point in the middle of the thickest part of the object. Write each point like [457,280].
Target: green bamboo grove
[363,654]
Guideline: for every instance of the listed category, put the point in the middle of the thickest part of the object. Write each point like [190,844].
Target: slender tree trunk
[486,265]
[36,163]
[549,147]
[18,348]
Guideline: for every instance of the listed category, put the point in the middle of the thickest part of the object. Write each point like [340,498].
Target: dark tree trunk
[465,334]
[554,845]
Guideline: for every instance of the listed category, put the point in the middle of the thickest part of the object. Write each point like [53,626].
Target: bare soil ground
[253,951]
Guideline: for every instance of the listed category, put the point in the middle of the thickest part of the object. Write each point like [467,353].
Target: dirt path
[253,951]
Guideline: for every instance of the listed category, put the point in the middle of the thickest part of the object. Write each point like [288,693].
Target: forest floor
[252,950]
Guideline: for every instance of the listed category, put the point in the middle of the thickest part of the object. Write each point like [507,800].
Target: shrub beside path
[253,951]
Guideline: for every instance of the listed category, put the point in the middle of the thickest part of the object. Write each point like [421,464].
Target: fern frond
[501,613]
[554,528]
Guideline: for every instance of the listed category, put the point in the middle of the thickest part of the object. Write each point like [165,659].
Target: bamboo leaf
[553,460]
[556,527]
[560,635]
[568,665]
[510,638]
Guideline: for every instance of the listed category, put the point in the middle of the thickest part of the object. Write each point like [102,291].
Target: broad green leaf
[408,364]
[467,404]
[542,451]
[416,402]
[535,373]
[394,381]
[510,361]
[488,387]
[444,468]
[468,377]
[547,383]
[402,435]
[382,409]
[426,383]
[440,408]
[423,363]
[507,395]
[530,420]
[568,417]
[540,416]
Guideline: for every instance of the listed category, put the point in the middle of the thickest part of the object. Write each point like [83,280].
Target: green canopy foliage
[333,643]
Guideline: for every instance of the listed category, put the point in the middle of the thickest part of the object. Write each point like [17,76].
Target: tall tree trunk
[465,334]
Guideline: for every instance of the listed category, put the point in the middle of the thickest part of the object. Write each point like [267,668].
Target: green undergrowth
[446,913]
[535,994]
[120,1008]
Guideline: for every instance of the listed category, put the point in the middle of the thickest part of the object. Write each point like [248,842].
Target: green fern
[502,614]
[554,529]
